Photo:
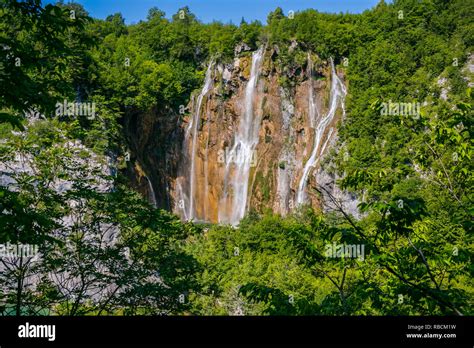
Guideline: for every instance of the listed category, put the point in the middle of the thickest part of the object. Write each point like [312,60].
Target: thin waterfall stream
[337,95]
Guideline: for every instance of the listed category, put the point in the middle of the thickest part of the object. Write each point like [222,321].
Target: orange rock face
[286,138]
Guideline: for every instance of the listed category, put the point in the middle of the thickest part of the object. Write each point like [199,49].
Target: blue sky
[222,10]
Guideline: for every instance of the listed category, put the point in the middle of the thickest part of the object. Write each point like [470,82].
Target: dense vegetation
[414,173]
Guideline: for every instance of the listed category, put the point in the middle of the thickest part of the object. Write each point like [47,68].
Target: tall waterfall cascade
[338,93]
[187,201]
[245,142]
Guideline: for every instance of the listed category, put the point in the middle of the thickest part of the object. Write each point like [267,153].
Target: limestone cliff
[293,113]
[253,138]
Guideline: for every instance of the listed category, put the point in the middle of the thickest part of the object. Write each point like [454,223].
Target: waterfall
[338,92]
[150,187]
[241,154]
[193,128]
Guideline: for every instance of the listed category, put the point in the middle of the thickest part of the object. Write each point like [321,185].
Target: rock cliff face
[155,139]
[253,139]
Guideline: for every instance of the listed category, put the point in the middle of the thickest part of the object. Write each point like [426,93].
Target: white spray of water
[152,192]
[193,127]
[246,139]
[338,92]
[181,201]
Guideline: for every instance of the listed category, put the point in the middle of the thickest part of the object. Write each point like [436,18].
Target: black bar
[226,331]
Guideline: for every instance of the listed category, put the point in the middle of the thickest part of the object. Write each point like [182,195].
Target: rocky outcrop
[286,136]
[253,139]
[155,140]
